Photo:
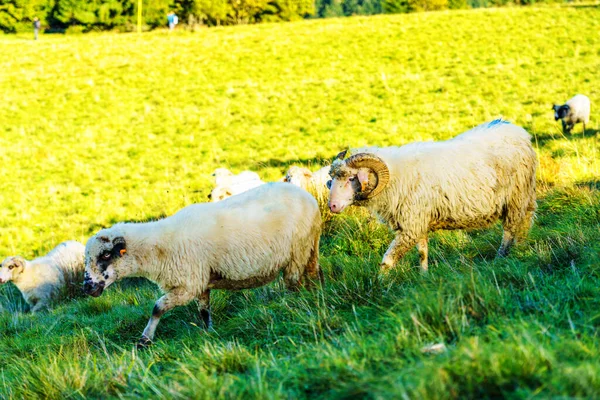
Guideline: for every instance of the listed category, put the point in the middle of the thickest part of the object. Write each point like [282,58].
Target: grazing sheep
[313,182]
[470,181]
[224,191]
[574,111]
[224,177]
[41,280]
[240,243]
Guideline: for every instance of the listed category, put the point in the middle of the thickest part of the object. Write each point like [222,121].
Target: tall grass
[105,128]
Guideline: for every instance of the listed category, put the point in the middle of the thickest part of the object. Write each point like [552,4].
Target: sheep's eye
[105,255]
[329,184]
[11,266]
[352,178]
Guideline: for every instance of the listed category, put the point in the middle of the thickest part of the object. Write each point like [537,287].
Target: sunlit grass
[104,128]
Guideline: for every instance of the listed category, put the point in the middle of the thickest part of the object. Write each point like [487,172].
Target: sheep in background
[224,191]
[313,182]
[41,280]
[240,243]
[470,181]
[224,177]
[574,111]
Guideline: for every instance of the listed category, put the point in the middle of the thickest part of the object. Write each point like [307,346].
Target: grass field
[99,129]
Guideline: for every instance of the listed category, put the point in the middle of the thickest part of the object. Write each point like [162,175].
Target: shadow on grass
[591,184]
[542,140]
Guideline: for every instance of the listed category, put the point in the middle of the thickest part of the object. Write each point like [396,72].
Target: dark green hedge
[89,15]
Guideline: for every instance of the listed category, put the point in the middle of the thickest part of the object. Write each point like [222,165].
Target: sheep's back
[249,234]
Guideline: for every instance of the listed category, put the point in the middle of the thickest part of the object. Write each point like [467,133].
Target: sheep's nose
[334,207]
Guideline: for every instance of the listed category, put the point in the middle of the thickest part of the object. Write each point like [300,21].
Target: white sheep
[313,182]
[224,177]
[575,110]
[239,243]
[227,190]
[41,280]
[470,181]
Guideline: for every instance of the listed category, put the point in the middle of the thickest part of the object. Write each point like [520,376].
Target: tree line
[91,15]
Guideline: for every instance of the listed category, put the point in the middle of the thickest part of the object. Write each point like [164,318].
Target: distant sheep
[313,182]
[576,110]
[40,280]
[224,177]
[470,181]
[239,243]
[224,191]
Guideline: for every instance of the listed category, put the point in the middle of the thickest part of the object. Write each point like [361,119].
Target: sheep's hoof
[144,343]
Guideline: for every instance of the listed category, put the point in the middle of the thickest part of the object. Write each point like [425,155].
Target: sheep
[224,191]
[467,182]
[224,177]
[41,280]
[313,182]
[574,111]
[240,243]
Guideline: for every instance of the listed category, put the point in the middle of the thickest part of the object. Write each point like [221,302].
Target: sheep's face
[298,176]
[11,268]
[560,112]
[220,193]
[106,260]
[345,184]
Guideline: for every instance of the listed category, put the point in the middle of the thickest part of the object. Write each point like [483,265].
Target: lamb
[313,182]
[41,280]
[467,182]
[224,191]
[240,243]
[574,111]
[224,177]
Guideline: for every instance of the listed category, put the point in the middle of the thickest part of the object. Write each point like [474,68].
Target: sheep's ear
[341,155]
[119,245]
[363,178]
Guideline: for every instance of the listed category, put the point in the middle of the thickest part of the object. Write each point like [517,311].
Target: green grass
[98,129]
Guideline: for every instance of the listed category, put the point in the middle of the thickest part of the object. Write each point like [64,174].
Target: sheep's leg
[583,128]
[174,298]
[39,306]
[204,308]
[564,125]
[422,247]
[399,246]
[508,240]
[313,270]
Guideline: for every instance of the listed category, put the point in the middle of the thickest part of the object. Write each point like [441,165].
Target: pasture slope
[103,128]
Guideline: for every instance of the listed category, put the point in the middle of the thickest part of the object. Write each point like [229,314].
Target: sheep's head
[560,112]
[220,193]
[298,176]
[11,268]
[358,178]
[106,260]
[220,174]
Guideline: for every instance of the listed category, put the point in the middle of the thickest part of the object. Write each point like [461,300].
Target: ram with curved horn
[468,182]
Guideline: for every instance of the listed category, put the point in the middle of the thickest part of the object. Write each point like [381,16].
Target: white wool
[224,177]
[580,108]
[41,279]
[313,182]
[224,191]
[470,181]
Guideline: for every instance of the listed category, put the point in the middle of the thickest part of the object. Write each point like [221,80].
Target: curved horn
[379,168]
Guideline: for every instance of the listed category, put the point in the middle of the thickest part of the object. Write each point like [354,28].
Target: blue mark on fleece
[498,121]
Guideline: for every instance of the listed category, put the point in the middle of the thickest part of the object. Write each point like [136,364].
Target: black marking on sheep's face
[107,257]
[561,112]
